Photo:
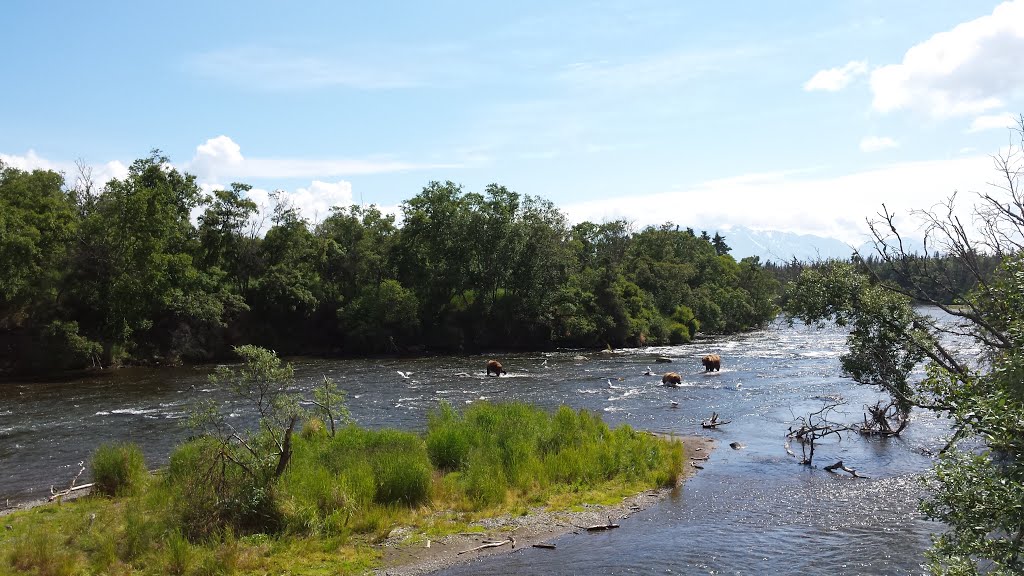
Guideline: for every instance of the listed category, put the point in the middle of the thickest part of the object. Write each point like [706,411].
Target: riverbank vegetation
[226,504]
[152,269]
[974,365]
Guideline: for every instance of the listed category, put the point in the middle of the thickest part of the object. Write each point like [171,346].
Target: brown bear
[671,379]
[495,366]
[712,362]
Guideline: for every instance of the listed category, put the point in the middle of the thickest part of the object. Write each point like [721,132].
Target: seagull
[545,362]
[739,385]
[405,375]
[610,385]
[648,373]
[675,404]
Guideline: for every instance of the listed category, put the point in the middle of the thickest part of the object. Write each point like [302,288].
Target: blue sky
[710,115]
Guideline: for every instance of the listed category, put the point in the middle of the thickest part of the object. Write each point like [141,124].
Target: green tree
[974,364]
[267,386]
[39,222]
[226,235]
[133,279]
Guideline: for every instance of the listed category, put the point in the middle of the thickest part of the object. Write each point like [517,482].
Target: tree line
[149,268]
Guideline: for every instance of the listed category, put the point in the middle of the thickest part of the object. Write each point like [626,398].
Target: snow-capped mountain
[779,246]
[783,246]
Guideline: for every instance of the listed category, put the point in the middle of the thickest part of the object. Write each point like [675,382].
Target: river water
[754,510]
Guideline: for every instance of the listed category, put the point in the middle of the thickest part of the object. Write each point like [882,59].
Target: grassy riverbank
[340,496]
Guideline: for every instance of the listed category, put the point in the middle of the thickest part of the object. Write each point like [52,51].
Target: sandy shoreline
[406,555]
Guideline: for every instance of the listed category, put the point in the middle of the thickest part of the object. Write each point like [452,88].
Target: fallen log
[70,490]
[840,466]
[544,545]
[491,545]
[607,526]
[714,422]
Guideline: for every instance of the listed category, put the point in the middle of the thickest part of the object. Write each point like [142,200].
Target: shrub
[448,440]
[207,496]
[118,469]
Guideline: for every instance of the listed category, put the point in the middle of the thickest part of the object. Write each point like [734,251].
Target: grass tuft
[118,469]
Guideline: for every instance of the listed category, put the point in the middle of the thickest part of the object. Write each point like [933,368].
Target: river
[754,510]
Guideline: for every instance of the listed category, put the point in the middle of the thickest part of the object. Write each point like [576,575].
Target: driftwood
[697,466]
[713,422]
[55,494]
[493,544]
[840,466]
[607,526]
[544,545]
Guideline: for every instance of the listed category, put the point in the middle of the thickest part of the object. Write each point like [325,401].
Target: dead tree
[882,418]
[815,427]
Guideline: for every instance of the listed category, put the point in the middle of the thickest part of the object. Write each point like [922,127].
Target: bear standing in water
[712,362]
[495,366]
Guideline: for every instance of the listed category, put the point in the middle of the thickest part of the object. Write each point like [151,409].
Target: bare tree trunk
[286,448]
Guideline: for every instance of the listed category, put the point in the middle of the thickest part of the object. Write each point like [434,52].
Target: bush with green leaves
[118,469]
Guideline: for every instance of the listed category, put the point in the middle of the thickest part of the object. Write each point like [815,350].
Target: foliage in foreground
[974,360]
[339,494]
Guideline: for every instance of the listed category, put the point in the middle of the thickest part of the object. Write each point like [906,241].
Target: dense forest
[152,269]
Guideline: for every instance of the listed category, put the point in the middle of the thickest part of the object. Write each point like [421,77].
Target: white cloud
[30,161]
[835,79]
[876,143]
[101,174]
[833,206]
[993,121]
[220,159]
[316,200]
[968,70]
[215,156]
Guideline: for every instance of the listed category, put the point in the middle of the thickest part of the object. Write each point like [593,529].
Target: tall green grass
[118,469]
[206,516]
[497,448]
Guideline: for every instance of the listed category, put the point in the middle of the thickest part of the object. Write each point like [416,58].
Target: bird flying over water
[405,375]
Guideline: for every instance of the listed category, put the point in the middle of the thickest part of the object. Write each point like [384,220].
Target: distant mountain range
[784,246]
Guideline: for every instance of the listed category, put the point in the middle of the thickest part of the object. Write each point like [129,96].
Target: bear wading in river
[495,366]
[712,362]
